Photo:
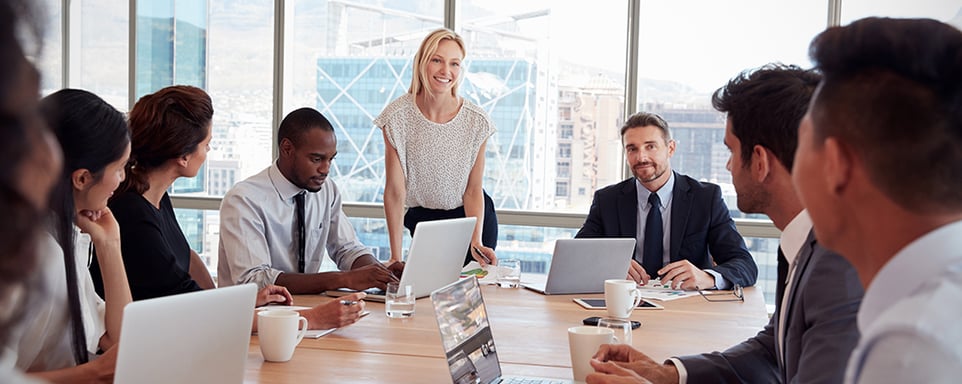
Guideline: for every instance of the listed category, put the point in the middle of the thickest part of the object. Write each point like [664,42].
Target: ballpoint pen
[479,253]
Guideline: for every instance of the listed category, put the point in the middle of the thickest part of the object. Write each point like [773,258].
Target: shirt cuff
[720,282]
[261,275]
[682,372]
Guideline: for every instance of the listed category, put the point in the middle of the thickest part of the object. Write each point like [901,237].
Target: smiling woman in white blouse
[434,143]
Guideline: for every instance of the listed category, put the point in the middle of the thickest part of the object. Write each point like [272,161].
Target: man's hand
[273,294]
[685,275]
[334,314]
[396,267]
[637,273]
[619,363]
[368,276]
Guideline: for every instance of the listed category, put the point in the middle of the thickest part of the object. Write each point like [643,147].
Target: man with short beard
[695,244]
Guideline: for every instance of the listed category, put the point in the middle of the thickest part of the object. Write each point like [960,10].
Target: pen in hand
[481,254]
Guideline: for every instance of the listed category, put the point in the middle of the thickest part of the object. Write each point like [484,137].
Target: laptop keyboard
[531,380]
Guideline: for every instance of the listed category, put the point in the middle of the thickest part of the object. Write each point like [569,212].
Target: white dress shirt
[45,340]
[258,229]
[791,242]
[909,317]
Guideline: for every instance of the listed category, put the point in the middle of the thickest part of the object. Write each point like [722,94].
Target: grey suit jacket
[820,325]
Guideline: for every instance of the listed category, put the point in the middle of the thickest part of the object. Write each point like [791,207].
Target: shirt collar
[794,235]
[664,193]
[285,189]
[919,263]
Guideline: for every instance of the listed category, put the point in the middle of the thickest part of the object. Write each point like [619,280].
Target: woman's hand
[273,294]
[483,255]
[100,225]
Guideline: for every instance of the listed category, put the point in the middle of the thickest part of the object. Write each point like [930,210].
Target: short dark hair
[299,121]
[765,106]
[644,119]
[893,93]
[165,125]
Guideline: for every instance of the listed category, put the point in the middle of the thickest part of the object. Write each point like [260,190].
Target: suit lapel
[628,209]
[680,208]
[801,264]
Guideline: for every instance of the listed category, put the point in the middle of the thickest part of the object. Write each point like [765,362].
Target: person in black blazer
[814,330]
[703,250]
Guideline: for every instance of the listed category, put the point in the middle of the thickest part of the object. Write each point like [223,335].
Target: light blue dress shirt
[909,319]
[664,194]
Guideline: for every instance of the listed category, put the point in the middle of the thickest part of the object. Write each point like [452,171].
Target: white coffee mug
[583,341]
[621,297]
[278,332]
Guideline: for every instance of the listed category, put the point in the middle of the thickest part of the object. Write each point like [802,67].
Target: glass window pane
[102,64]
[945,11]
[50,59]
[225,47]
[689,49]
[349,60]
[551,76]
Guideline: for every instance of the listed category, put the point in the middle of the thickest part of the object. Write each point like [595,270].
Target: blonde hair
[428,48]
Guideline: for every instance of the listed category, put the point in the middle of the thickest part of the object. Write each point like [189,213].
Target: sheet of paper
[656,291]
[486,275]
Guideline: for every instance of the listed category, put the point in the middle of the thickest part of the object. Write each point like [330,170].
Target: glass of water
[399,300]
[622,328]
[509,273]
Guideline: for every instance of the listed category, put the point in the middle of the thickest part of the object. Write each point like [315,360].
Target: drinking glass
[509,273]
[621,327]
[399,300]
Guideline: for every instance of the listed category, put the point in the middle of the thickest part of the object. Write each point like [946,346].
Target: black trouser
[489,231]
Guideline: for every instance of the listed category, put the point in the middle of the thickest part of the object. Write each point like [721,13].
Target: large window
[552,76]
[942,10]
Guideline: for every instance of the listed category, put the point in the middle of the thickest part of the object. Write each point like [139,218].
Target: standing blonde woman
[434,144]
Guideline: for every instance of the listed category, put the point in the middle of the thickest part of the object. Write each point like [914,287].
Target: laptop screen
[465,332]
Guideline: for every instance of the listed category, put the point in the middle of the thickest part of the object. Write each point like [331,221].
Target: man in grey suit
[814,328]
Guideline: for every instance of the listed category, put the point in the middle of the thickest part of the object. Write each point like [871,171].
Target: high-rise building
[172,49]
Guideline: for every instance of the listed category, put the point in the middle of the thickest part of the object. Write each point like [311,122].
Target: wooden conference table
[530,331]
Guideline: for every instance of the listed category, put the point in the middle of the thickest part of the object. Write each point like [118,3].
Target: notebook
[434,259]
[582,265]
[197,337]
[467,339]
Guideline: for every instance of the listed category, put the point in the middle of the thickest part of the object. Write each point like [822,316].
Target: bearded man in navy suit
[699,247]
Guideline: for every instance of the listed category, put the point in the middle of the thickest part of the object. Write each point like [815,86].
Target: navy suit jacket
[701,227]
[820,329]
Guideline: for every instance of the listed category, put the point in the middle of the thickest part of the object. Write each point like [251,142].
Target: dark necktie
[652,260]
[782,278]
[299,202]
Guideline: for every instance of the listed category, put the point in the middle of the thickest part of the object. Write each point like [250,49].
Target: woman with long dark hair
[66,331]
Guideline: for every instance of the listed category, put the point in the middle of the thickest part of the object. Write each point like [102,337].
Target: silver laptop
[198,337]
[582,265]
[434,259]
[466,336]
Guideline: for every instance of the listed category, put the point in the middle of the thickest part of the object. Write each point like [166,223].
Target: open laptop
[582,265]
[466,336]
[198,337]
[434,259]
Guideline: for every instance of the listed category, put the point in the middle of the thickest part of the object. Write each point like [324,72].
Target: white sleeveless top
[436,158]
